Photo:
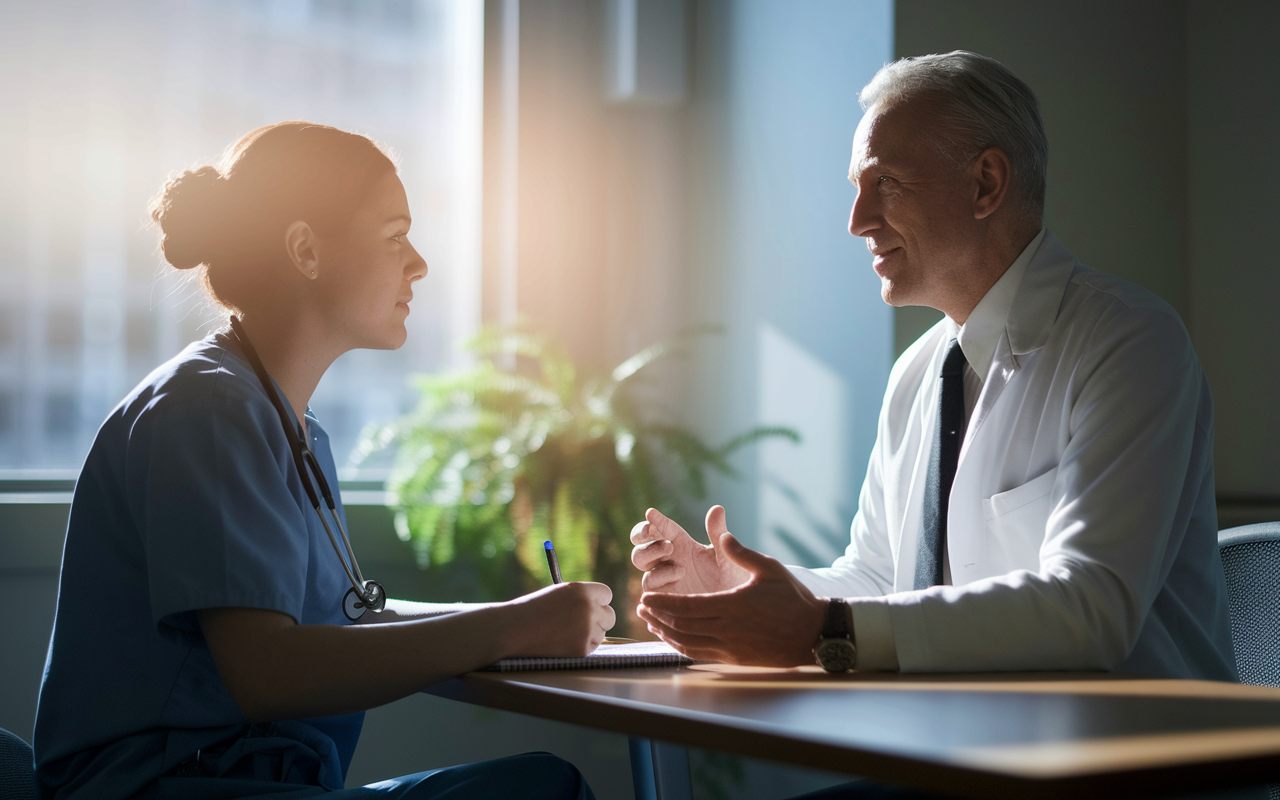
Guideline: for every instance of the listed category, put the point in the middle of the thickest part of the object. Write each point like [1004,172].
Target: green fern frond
[754,435]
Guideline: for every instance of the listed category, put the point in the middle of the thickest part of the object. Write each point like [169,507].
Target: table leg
[659,770]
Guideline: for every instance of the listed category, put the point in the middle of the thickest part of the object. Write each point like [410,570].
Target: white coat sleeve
[865,571]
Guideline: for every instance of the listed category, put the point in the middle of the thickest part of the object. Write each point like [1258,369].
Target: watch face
[835,655]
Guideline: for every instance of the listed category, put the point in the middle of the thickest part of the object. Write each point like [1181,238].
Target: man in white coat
[1040,495]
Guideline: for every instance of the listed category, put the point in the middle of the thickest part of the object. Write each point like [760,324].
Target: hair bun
[188,210]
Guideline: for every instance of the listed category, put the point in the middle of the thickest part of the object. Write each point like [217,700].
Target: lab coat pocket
[1016,522]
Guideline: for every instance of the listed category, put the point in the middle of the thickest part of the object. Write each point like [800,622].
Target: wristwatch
[835,651]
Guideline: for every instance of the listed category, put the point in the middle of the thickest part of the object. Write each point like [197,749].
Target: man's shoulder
[1097,287]
[1106,304]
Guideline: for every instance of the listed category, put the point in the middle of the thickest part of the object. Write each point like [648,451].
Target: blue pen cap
[547,545]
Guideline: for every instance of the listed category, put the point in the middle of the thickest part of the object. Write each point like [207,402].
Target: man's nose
[862,217]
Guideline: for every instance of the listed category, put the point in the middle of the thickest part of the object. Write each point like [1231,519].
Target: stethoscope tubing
[304,457]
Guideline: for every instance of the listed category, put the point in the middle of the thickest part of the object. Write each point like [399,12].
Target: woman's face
[371,270]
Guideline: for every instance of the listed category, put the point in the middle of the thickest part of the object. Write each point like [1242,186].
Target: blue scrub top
[189,499]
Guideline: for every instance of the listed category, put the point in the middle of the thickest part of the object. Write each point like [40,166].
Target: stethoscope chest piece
[355,605]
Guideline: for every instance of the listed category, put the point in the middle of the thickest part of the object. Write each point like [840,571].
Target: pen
[552,562]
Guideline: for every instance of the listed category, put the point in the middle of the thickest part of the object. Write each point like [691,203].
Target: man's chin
[893,294]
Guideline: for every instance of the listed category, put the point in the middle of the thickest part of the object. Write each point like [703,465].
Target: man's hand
[772,620]
[673,562]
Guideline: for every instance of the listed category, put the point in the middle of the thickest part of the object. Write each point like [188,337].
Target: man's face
[914,207]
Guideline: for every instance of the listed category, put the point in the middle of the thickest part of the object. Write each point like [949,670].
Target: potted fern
[497,459]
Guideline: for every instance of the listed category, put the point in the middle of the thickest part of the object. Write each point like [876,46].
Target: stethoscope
[363,595]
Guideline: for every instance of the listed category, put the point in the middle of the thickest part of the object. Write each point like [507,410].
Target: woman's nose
[417,266]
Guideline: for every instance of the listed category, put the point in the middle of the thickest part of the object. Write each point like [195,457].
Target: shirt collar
[980,333]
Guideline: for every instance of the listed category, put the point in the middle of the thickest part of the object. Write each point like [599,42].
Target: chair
[1251,560]
[17,768]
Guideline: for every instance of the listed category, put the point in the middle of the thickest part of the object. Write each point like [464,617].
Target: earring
[313,273]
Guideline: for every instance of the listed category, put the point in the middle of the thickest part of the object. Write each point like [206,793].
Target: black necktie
[942,469]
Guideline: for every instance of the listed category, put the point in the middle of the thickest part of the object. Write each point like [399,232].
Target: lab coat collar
[980,334]
[1039,297]
[1027,325]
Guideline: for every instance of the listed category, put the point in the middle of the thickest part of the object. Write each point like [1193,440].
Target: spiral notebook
[606,656]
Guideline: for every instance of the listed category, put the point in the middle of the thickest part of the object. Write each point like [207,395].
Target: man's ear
[303,247]
[992,174]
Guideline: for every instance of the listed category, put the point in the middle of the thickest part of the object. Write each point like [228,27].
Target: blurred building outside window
[101,101]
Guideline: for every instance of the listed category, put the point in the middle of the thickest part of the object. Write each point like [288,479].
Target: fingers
[646,556]
[717,525]
[750,560]
[644,532]
[691,644]
[699,606]
[599,616]
[598,592]
[662,525]
[662,576]
[700,626]
[655,527]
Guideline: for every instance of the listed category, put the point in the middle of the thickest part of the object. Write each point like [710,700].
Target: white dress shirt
[1082,526]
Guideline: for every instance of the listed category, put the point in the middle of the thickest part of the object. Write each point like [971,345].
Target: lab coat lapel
[1003,366]
[1031,320]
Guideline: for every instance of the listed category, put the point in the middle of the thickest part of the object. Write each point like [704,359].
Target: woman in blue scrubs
[200,648]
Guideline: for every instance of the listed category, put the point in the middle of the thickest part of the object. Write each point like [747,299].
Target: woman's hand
[567,619]
[275,668]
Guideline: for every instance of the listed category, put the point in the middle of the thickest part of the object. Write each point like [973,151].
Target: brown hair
[231,217]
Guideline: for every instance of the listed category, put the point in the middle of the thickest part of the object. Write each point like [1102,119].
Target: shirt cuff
[873,634]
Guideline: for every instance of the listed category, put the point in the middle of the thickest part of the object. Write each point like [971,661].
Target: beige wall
[1163,170]
[599,187]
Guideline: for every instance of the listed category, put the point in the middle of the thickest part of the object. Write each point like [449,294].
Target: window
[109,98]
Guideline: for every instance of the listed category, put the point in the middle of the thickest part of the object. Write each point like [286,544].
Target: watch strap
[836,623]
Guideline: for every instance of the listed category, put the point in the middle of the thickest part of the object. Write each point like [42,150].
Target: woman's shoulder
[206,375]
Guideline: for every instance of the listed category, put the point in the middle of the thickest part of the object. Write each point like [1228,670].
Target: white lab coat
[1082,529]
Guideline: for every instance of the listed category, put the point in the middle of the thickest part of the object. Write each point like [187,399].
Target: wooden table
[1043,735]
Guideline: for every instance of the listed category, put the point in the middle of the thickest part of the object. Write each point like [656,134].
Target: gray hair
[980,104]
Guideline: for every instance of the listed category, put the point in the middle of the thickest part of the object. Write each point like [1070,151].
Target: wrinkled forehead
[868,141]
[890,134]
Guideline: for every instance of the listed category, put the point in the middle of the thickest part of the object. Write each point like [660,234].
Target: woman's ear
[303,247]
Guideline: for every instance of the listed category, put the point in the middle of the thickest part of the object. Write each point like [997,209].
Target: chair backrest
[1251,559]
[17,768]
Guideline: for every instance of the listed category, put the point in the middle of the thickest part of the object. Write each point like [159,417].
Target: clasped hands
[723,601]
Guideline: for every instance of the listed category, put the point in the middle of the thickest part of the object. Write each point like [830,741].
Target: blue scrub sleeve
[221,513]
